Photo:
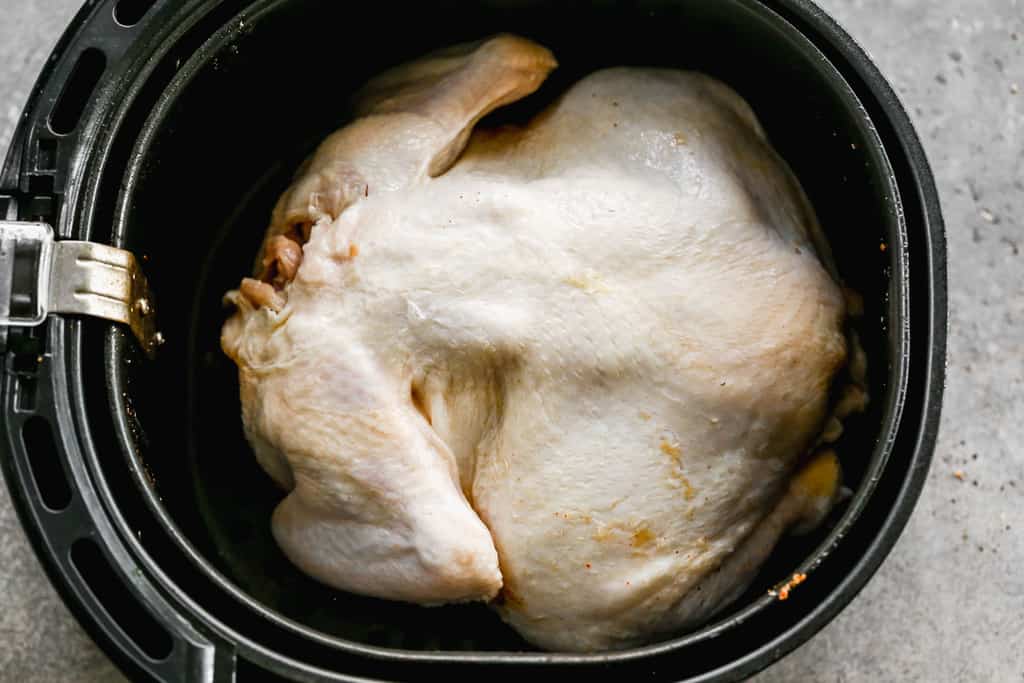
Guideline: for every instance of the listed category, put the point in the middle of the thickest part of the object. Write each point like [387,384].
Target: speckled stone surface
[948,604]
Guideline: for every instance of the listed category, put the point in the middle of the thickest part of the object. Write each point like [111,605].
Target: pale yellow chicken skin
[569,367]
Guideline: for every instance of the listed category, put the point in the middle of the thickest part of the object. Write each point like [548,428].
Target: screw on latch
[158,338]
[143,308]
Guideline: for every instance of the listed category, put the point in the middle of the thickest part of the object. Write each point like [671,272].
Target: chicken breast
[574,368]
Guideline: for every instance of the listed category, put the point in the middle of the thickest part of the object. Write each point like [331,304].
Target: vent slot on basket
[27,390]
[78,91]
[44,462]
[46,156]
[135,623]
[26,353]
[130,12]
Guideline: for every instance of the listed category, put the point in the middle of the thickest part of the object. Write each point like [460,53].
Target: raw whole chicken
[578,368]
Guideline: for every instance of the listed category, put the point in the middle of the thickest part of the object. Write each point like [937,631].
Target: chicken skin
[577,368]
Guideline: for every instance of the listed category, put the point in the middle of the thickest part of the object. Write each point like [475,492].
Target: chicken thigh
[575,368]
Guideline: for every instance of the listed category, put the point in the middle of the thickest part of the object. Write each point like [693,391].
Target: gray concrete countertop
[948,604]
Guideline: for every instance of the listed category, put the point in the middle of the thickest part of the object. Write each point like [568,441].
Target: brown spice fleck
[959,474]
[673,451]
[796,580]
[642,537]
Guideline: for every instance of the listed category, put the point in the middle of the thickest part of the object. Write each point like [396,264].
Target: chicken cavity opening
[282,256]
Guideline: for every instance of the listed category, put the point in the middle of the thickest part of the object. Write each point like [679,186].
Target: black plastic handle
[50,482]
[50,486]
[86,560]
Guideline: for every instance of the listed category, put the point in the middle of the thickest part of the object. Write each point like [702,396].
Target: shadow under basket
[184,125]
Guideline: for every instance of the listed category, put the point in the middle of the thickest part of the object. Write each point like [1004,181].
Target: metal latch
[40,276]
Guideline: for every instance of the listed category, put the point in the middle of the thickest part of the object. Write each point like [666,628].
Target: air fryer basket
[170,128]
